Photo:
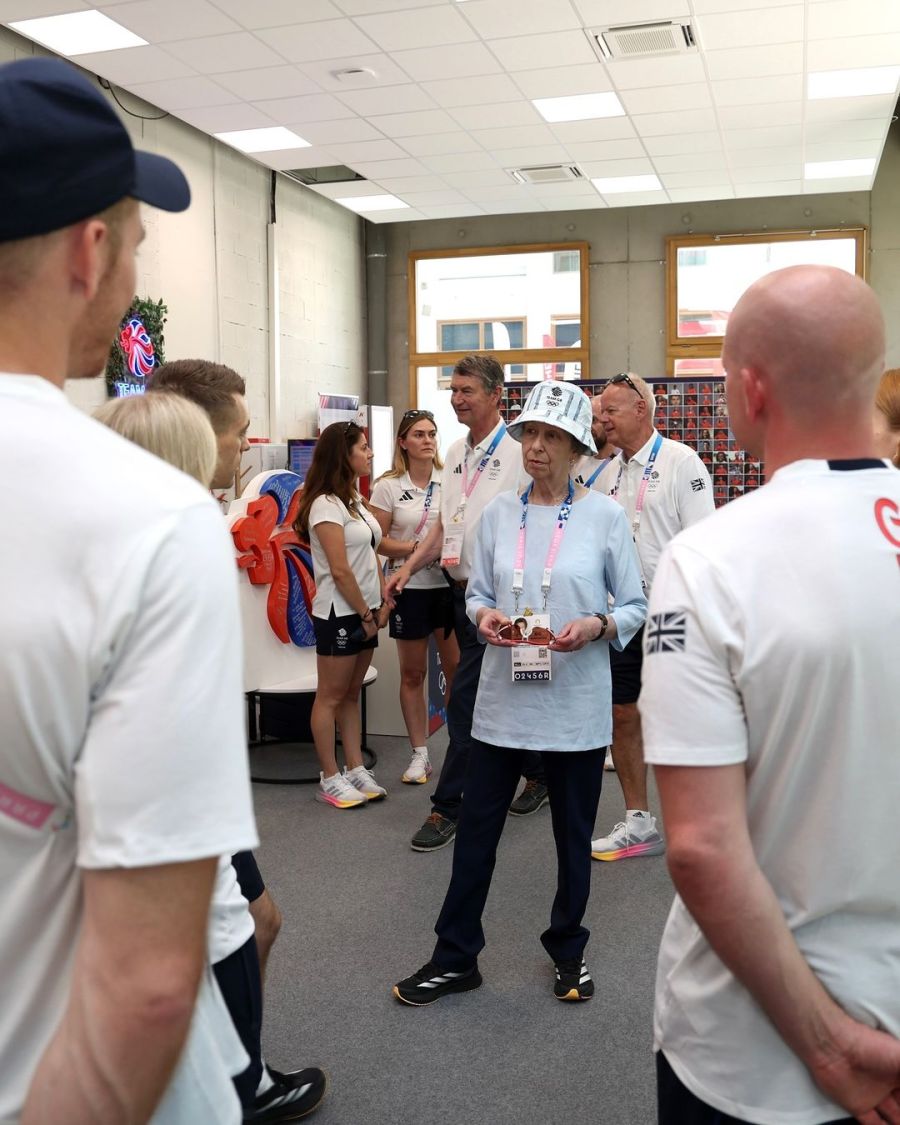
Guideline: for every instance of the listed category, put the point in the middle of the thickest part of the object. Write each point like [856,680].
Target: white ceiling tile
[833,20]
[637,166]
[691,121]
[432,198]
[309,107]
[576,203]
[521,137]
[426,62]
[505,115]
[161,21]
[692,179]
[313,157]
[344,131]
[760,190]
[227,118]
[753,62]
[507,191]
[605,12]
[428,27]
[851,109]
[468,177]
[325,71]
[564,191]
[11,10]
[637,74]
[767,137]
[495,19]
[760,157]
[183,93]
[408,98]
[134,64]
[855,51]
[423,123]
[759,116]
[848,183]
[513,206]
[603,129]
[453,162]
[702,7]
[691,162]
[267,82]
[220,53]
[870,129]
[628,148]
[563,81]
[759,91]
[453,211]
[530,155]
[350,190]
[399,185]
[701,195]
[374,169]
[533,52]
[691,95]
[407,215]
[781,24]
[769,173]
[440,143]
[488,90]
[369,150]
[276,13]
[842,150]
[636,198]
[369,7]
[684,143]
[325,39]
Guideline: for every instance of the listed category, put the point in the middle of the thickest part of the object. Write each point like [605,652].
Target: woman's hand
[382,614]
[490,621]
[576,634]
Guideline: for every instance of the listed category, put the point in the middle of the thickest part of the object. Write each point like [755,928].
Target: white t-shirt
[120,688]
[231,924]
[590,468]
[361,537]
[405,502]
[773,639]
[503,471]
[679,493]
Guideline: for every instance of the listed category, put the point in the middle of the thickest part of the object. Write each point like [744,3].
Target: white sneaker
[632,837]
[419,769]
[338,791]
[364,782]
[609,765]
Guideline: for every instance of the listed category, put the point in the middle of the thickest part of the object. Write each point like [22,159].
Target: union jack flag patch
[666,632]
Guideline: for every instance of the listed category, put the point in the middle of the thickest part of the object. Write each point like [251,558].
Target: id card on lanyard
[454,533]
[395,564]
[530,663]
[642,492]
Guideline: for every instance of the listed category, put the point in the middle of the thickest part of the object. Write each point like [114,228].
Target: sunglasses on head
[418,414]
[624,377]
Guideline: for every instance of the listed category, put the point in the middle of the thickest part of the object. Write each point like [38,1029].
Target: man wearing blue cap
[123,769]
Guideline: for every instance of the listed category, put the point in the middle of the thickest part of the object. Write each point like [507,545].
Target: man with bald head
[771,708]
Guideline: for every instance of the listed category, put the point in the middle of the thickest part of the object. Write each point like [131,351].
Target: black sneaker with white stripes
[290,1097]
[573,981]
[430,983]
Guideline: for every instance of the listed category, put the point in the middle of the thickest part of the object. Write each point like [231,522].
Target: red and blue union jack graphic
[140,355]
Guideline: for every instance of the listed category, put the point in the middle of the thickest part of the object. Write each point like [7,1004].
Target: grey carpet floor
[359,906]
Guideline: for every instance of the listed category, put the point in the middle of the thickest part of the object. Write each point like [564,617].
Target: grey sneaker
[437,832]
[637,835]
[533,797]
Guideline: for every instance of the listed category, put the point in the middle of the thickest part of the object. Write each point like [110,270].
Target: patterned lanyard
[426,508]
[468,489]
[642,489]
[518,582]
[596,473]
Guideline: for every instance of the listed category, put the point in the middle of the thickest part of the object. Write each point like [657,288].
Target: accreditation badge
[451,551]
[531,659]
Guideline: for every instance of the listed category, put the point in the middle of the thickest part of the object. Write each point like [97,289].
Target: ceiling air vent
[334,174]
[627,41]
[547,174]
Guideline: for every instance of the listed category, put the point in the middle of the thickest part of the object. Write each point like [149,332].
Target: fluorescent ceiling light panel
[372,203]
[262,140]
[78,33]
[835,169]
[853,83]
[614,185]
[579,107]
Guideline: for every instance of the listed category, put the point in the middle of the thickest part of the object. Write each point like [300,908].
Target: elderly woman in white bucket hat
[546,564]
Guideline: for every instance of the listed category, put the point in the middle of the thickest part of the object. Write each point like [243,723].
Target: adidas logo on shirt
[404,496]
[458,469]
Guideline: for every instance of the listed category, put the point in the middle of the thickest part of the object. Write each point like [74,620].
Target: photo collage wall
[692,411]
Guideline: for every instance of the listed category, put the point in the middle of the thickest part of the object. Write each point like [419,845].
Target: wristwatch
[604,624]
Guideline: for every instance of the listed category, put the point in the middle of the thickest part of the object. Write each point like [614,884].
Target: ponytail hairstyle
[330,473]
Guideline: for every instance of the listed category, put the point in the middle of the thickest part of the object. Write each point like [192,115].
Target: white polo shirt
[405,502]
[362,535]
[678,494]
[123,719]
[503,472]
[773,640]
[586,468]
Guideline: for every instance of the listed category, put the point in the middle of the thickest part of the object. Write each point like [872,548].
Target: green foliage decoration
[153,315]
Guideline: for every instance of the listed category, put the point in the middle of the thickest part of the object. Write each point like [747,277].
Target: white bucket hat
[557,404]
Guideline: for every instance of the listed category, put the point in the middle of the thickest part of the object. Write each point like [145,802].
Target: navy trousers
[574,780]
[241,988]
[447,797]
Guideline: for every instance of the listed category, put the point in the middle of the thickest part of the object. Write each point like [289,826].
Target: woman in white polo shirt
[406,501]
[348,609]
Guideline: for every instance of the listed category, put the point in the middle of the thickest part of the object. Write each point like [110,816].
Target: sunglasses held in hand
[538,635]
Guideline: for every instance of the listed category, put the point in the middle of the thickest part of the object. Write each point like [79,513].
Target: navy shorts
[340,636]
[625,667]
[248,876]
[419,613]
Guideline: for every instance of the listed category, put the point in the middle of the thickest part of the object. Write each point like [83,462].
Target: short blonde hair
[168,426]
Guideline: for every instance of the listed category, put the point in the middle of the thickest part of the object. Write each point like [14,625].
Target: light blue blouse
[596,559]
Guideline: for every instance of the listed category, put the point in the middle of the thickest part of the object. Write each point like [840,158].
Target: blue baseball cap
[65,155]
